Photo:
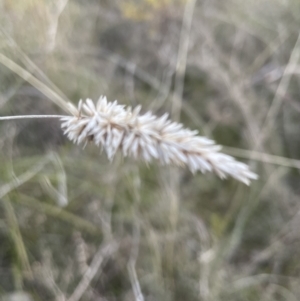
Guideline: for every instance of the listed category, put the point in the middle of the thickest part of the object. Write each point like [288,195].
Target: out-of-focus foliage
[149,9]
[180,237]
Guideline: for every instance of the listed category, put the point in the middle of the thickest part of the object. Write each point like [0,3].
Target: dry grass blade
[26,176]
[281,90]
[149,137]
[52,95]
[76,221]
[181,65]
[182,58]
[17,238]
[98,259]
[263,157]
[134,281]
[30,66]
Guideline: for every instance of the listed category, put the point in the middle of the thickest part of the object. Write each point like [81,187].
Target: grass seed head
[146,136]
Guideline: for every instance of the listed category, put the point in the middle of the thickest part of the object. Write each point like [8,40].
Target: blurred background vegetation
[75,227]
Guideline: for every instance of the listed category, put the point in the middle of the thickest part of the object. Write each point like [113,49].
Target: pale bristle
[149,137]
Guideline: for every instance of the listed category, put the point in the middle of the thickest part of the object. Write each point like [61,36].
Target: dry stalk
[105,251]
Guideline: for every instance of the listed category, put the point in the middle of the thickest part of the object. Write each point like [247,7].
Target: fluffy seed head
[114,127]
